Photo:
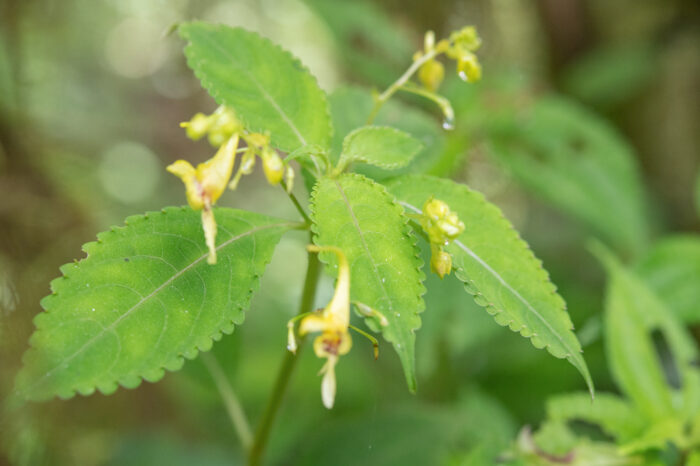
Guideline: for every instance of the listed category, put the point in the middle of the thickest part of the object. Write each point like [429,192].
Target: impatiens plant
[167,285]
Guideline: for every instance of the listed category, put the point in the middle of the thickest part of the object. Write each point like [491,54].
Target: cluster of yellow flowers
[442,226]
[207,182]
[460,47]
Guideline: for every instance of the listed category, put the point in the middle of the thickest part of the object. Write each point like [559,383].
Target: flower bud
[468,68]
[440,262]
[289,178]
[198,126]
[431,74]
[273,166]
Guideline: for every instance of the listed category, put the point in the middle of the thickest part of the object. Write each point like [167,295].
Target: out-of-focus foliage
[90,91]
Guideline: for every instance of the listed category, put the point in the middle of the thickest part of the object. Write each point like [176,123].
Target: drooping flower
[205,184]
[333,323]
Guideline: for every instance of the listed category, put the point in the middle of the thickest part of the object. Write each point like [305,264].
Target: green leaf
[269,89]
[499,269]
[655,437]
[143,298]
[381,146]
[350,108]
[572,159]
[613,414]
[360,217]
[672,268]
[632,310]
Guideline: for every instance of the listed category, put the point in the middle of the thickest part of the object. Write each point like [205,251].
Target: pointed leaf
[143,298]
[350,107]
[672,269]
[632,310]
[360,217]
[267,87]
[381,146]
[498,268]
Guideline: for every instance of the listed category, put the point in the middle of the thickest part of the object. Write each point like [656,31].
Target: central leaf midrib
[356,224]
[264,91]
[506,284]
[100,334]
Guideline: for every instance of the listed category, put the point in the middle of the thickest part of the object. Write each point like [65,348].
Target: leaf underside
[360,217]
[267,87]
[144,298]
[498,268]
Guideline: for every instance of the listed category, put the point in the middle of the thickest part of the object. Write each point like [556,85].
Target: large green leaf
[632,310]
[613,414]
[143,298]
[360,217]
[574,160]
[267,87]
[498,268]
[672,269]
[381,146]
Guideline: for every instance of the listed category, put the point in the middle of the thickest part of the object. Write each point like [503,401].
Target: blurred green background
[91,96]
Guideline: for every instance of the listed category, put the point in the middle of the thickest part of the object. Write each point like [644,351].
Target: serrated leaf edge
[346,158]
[406,231]
[132,381]
[207,85]
[544,277]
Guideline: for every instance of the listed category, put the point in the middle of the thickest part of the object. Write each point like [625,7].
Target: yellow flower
[205,184]
[442,226]
[333,322]
[468,68]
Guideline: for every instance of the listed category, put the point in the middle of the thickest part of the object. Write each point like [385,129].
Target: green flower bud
[431,74]
[440,262]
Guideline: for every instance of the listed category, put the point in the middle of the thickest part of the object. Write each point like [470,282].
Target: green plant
[157,291]
[657,417]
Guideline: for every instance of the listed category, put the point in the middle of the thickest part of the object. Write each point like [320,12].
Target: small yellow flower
[442,226]
[468,68]
[333,322]
[464,43]
[205,184]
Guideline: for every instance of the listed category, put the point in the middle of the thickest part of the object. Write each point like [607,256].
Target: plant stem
[233,406]
[263,432]
[384,96]
[296,203]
